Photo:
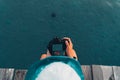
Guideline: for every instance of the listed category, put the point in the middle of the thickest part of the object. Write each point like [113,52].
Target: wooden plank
[20,74]
[6,74]
[116,72]
[87,72]
[102,72]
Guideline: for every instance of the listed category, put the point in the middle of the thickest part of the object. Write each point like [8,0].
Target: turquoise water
[26,26]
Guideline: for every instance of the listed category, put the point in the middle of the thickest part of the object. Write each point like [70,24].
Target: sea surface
[26,27]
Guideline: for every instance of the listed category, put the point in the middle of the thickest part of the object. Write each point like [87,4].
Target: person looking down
[70,52]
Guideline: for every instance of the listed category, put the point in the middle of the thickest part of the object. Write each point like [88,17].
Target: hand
[68,42]
[69,48]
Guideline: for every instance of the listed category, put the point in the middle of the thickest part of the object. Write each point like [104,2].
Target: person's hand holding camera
[69,48]
[70,52]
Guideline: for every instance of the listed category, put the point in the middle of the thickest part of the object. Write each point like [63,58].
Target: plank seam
[91,72]
[13,74]
[113,74]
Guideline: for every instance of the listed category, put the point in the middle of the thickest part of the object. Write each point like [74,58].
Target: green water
[26,26]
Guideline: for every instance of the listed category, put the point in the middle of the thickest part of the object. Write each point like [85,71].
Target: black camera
[57,47]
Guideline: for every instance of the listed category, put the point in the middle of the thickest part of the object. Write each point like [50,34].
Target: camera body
[57,47]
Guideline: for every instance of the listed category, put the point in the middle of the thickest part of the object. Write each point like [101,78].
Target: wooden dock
[94,72]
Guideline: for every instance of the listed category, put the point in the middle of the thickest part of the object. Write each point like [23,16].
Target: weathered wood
[87,72]
[116,72]
[6,74]
[102,72]
[20,74]
[95,72]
